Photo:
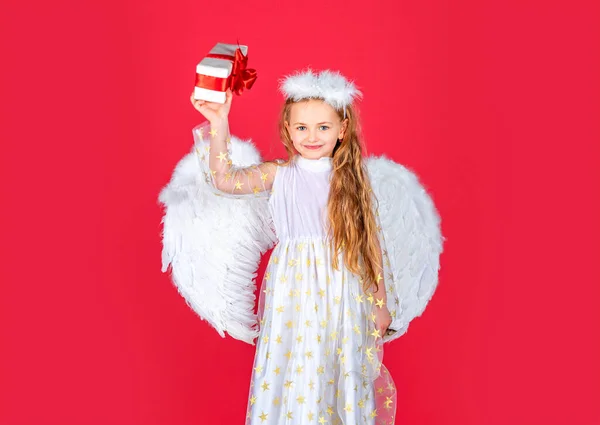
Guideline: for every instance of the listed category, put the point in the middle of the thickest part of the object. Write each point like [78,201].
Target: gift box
[224,67]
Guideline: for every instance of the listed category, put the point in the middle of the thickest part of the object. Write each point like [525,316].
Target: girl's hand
[383,319]
[212,111]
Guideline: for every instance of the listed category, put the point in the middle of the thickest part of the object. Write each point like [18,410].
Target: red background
[495,105]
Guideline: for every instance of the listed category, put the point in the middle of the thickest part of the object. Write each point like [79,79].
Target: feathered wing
[410,239]
[214,240]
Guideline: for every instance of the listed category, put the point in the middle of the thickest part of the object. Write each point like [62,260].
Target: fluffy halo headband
[331,86]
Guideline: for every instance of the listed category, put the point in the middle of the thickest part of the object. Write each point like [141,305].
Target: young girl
[323,308]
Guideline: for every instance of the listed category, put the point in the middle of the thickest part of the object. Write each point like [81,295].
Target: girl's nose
[312,137]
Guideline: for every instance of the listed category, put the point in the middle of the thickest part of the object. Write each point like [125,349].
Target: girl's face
[315,128]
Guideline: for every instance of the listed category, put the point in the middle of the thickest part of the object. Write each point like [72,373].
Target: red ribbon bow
[241,77]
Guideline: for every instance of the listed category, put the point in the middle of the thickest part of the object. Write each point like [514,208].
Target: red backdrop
[495,106]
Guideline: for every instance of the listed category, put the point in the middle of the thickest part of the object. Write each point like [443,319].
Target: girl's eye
[300,127]
[324,127]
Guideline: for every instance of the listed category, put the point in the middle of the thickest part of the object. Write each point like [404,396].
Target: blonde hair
[352,225]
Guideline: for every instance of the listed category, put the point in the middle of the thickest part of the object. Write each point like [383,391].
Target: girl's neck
[320,164]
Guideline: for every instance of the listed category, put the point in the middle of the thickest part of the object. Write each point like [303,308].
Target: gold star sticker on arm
[238,185]
[379,303]
[213,132]
[263,176]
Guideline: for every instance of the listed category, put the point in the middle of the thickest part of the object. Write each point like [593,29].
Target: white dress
[318,357]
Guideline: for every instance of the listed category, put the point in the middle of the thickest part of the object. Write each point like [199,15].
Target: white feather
[214,244]
[331,86]
[412,240]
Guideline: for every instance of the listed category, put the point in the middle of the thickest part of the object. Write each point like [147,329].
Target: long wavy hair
[352,226]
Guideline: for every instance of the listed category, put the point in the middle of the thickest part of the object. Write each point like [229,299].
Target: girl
[323,307]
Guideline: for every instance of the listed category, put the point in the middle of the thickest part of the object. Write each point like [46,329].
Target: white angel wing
[410,239]
[214,242]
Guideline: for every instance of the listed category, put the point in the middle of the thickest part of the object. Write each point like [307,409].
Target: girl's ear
[343,128]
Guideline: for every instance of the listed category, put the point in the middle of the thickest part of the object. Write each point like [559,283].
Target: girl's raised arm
[213,146]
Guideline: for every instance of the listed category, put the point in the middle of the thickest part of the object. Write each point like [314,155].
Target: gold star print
[308,292]
[300,399]
[238,185]
[298,277]
[201,132]
[320,370]
[268,356]
[369,353]
[322,420]
[308,324]
[289,324]
[258,369]
[283,279]
[330,408]
[379,390]
[276,401]
[308,262]
[316,307]
[280,309]
[318,262]
[373,317]
[344,340]
[289,415]
[292,262]
[267,275]
[275,260]
[356,329]
[318,338]
[288,384]
[277,370]
[370,298]
[348,408]
[265,339]
[256,190]
[263,176]
[299,338]
[213,132]
[265,386]
[311,385]
[376,333]
[379,303]
[298,307]
[379,277]
[321,293]
[278,339]
[222,156]
[336,299]
[288,354]
[373,413]
[263,417]
[310,415]
[227,176]
[308,354]
[387,402]
[207,148]
[359,298]
[301,246]
[252,400]
[299,369]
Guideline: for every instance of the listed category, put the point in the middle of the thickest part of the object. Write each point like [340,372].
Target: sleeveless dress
[318,358]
